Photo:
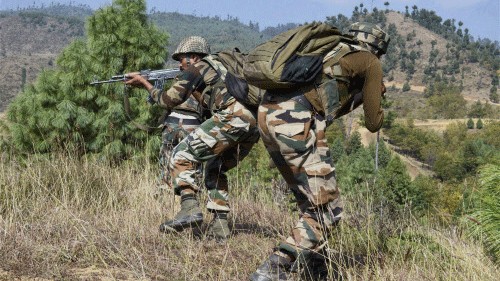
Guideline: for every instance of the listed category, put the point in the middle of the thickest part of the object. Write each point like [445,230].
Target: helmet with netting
[372,35]
[192,45]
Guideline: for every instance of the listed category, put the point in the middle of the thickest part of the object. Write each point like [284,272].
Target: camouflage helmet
[192,44]
[372,35]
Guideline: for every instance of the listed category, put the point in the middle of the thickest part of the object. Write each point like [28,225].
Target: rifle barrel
[106,81]
[162,74]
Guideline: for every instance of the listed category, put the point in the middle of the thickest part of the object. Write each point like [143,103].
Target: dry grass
[68,219]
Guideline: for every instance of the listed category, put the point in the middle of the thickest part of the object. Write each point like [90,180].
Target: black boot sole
[174,226]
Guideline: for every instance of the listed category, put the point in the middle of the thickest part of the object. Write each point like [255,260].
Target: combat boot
[275,268]
[219,227]
[190,215]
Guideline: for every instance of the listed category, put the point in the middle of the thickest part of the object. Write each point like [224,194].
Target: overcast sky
[481,17]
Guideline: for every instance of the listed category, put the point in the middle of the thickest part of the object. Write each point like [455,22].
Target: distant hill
[476,79]
[221,34]
[31,40]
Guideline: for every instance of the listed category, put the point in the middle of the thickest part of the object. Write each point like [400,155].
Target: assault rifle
[157,76]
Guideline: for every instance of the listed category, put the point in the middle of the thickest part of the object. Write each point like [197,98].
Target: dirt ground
[419,89]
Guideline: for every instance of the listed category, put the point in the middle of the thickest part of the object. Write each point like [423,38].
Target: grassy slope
[67,219]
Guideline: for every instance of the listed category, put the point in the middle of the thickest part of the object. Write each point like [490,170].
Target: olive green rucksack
[291,58]
[229,66]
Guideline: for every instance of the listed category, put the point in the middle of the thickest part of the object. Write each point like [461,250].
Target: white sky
[481,17]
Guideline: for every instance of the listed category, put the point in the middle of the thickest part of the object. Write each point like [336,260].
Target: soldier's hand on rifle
[136,79]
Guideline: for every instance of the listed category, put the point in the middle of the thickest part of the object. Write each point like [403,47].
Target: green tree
[63,110]
[406,87]
[493,94]
[449,103]
[396,185]
[448,166]
[355,169]
[427,193]
[476,110]
[354,143]
[386,4]
[479,124]
[23,77]
[470,124]
[389,119]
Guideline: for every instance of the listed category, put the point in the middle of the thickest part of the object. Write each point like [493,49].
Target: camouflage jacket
[202,82]
[364,72]
[350,79]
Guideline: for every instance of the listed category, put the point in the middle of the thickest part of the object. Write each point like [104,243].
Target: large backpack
[291,58]
[229,66]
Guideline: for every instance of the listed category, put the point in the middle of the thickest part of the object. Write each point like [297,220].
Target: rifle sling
[126,106]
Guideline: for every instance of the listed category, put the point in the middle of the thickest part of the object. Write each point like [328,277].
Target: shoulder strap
[331,66]
[217,65]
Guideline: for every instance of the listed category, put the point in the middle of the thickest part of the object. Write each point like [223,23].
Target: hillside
[476,81]
[31,40]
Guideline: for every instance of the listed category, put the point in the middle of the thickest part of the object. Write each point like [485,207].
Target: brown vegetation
[67,219]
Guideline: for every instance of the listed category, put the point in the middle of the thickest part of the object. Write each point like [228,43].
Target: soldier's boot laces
[190,215]
[275,268]
[219,227]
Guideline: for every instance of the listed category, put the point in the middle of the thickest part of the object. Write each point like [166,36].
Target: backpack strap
[221,71]
[217,65]
[331,66]
[236,85]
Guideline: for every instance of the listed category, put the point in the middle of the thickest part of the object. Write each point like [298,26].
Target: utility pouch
[329,98]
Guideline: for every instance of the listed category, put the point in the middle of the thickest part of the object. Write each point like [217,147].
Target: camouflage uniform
[294,136]
[223,140]
[292,125]
[177,125]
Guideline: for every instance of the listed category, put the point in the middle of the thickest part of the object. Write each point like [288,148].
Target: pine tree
[479,124]
[62,110]
[396,185]
[354,143]
[470,124]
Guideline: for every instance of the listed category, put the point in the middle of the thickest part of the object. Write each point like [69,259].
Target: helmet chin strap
[371,48]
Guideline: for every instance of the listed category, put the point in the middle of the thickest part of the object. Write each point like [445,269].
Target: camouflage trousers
[295,138]
[222,142]
[175,129]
